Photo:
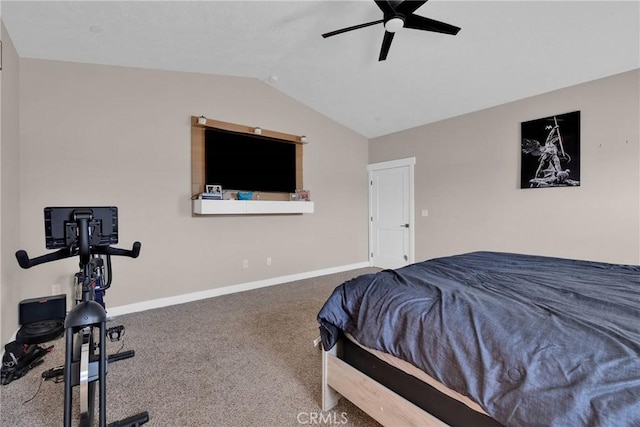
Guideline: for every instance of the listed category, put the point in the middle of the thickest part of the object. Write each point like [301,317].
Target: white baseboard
[215,292]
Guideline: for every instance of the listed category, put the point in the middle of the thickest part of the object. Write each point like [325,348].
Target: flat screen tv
[246,162]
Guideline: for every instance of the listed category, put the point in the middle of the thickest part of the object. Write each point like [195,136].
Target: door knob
[405,225]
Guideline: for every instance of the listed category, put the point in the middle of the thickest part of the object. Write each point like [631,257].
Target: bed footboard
[385,406]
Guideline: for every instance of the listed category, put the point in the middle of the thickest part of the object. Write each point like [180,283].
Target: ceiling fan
[398,15]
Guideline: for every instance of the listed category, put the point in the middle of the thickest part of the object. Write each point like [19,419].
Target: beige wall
[467,176]
[10,280]
[102,135]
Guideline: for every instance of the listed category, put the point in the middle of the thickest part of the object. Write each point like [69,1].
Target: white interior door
[391,213]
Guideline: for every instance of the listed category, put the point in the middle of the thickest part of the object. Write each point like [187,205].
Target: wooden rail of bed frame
[380,403]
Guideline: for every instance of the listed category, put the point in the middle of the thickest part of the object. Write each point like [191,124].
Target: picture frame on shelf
[212,192]
[301,195]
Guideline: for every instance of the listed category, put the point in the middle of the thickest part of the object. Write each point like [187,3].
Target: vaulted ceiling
[506,50]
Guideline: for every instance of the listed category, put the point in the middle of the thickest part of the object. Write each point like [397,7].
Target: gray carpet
[245,359]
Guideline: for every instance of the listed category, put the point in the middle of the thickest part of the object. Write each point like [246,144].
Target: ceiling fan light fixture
[394,24]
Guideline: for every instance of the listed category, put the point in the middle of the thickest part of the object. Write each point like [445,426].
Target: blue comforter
[536,341]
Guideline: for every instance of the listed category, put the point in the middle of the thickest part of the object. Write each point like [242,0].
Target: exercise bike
[86,232]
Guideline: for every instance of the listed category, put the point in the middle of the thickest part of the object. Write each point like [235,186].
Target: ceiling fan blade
[417,22]
[385,7]
[386,44]
[407,7]
[355,27]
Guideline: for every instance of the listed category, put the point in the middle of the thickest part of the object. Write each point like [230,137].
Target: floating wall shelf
[250,207]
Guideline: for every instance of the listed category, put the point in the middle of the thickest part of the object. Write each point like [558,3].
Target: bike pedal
[115,333]
[53,373]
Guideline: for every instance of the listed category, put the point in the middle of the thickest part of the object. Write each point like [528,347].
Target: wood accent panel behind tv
[198,166]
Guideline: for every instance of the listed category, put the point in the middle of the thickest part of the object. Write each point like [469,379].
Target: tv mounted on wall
[248,162]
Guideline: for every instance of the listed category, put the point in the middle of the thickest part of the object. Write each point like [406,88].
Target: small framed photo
[213,188]
[213,191]
[303,195]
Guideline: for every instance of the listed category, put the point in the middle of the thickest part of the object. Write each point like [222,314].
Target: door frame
[373,167]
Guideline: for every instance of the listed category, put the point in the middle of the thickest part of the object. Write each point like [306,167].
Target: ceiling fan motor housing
[395,23]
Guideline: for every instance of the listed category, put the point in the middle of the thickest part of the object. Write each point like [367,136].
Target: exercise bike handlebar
[25,262]
[110,250]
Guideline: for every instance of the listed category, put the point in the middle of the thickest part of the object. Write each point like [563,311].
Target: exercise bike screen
[61,227]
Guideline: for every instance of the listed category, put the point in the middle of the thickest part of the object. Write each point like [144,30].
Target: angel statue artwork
[548,164]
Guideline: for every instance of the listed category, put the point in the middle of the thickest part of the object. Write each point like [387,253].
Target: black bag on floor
[18,359]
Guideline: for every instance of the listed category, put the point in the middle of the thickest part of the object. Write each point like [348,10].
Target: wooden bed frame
[389,409]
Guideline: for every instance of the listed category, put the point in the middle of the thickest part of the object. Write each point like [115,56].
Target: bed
[517,340]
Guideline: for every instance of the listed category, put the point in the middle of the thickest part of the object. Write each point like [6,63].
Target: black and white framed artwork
[551,151]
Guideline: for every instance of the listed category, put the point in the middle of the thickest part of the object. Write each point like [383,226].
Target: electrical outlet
[268,260]
[245,263]
[56,289]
